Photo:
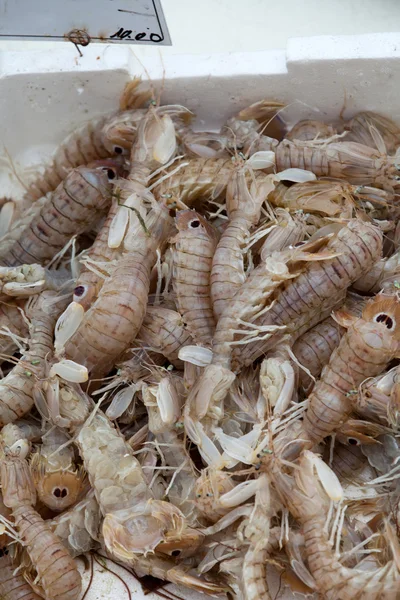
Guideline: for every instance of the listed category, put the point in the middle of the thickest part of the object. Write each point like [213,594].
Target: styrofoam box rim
[50,92]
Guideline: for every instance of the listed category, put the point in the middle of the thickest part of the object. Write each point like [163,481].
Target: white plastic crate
[44,95]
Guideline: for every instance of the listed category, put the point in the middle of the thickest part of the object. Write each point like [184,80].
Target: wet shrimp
[98,256]
[111,324]
[374,130]
[314,348]
[365,350]
[16,389]
[257,533]
[382,276]
[13,585]
[197,178]
[310,297]
[71,209]
[206,397]
[247,126]
[79,527]
[61,403]
[244,209]
[57,573]
[165,331]
[309,130]
[358,164]
[288,231]
[194,248]
[308,501]
[163,406]
[330,198]
[376,398]
[134,522]
[58,481]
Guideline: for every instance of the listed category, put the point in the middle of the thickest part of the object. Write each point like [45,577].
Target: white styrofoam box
[44,95]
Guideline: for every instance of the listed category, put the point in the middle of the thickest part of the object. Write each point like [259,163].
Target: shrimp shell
[314,348]
[90,282]
[78,201]
[57,481]
[192,259]
[244,210]
[165,331]
[382,275]
[200,178]
[13,586]
[113,321]
[364,351]
[309,504]
[309,298]
[57,572]
[16,389]
[358,164]
[370,129]
[309,130]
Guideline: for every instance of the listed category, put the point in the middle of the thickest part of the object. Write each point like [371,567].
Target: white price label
[83,21]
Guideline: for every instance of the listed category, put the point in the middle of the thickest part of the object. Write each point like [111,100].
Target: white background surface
[207,26]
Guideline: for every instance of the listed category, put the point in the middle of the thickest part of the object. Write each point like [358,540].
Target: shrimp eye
[388,321]
[175,552]
[353,442]
[194,224]
[111,174]
[79,291]
[118,150]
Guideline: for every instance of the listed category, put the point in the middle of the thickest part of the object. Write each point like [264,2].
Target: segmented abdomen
[191,270]
[309,298]
[164,331]
[79,148]
[314,348]
[329,405]
[227,273]
[58,572]
[72,208]
[113,321]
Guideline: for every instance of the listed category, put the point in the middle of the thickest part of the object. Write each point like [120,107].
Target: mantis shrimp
[57,572]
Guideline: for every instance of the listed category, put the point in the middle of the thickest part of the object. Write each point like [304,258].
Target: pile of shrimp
[200,356]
